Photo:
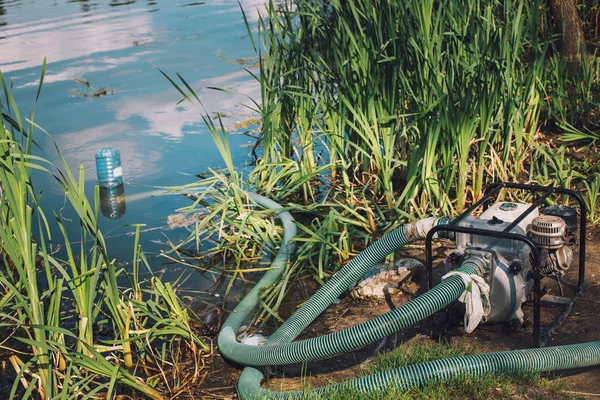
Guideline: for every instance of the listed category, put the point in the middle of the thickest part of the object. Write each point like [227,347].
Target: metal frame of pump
[490,195]
[281,347]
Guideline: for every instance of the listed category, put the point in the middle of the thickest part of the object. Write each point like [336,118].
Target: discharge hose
[419,375]
[279,351]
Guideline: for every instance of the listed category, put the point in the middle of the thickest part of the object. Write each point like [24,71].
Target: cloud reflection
[25,45]
[79,148]
[163,117]
[139,157]
[89,65]
[252,8]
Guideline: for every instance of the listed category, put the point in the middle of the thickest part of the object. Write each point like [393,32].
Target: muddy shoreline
[581,326]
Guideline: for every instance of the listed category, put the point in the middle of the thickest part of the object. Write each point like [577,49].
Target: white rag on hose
[476,298]
[418,230]
[252,339]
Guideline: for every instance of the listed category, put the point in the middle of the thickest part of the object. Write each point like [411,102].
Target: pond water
[115,49]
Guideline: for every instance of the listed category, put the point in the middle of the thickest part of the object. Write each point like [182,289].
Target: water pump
[513,245]
[507,264]
[510,245]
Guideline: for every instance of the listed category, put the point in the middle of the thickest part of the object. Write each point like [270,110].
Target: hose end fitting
[443,234]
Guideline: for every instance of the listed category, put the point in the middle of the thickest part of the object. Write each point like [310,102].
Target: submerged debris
[175,221]
[141,43]
[247,123]
[101,92]
[198,3]
[83,82]
[252,62]
[95,92]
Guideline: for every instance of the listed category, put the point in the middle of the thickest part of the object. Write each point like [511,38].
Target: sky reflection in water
[119,46]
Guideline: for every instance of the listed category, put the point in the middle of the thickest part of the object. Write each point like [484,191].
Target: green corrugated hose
[280,349]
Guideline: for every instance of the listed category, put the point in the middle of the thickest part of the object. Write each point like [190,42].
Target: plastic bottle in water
[108,167]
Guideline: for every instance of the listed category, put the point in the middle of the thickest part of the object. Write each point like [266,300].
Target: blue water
[120,46]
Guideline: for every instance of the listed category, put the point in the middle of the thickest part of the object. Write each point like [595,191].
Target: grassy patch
[417,350]
[524,385]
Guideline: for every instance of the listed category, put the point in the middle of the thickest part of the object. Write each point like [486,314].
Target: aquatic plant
[375,112]
[70,328]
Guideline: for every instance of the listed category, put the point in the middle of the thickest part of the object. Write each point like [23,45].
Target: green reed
[378,112]
[402,97]
[53,302]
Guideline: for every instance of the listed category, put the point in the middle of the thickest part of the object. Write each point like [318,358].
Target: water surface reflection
[112,201]
[119,45]
[72,38]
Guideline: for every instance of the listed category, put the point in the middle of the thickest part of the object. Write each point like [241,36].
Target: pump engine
[507,264]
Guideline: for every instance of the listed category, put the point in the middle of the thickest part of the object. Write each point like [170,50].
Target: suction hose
[279,351]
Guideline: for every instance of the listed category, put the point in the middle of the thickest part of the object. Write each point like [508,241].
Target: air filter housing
[548,231]
[565,212]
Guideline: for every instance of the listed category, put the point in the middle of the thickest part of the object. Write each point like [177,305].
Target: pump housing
[514,245]
[507,264]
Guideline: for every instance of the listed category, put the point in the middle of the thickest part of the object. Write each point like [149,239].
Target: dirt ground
[581,326]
